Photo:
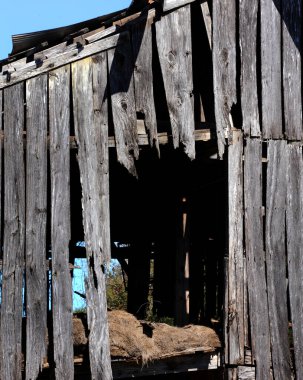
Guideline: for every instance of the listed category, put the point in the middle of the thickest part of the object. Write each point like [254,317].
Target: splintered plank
[14,233]
[294,222]
[121,85]
[36,205]
[59,121]
[175,55]
[271,69]
[248,43]
[235,322]
[276,258]
[257,294]
[292,90]
[91,129]
[143,74]
[224,65]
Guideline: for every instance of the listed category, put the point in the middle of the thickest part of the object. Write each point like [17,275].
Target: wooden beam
[172,4]
[59,124]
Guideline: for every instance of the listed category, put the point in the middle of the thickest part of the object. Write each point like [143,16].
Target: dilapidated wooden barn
[175,128]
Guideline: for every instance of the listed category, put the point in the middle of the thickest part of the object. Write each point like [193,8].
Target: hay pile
[128,340]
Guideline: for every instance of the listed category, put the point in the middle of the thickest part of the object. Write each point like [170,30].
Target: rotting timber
[122,120]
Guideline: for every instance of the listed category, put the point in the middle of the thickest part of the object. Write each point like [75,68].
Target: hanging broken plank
[14,234]
[276,258]
[36,206]
[271,69]
[235,315]
[255,258]
[59,130]
[121,89]
[89,79]
[224,66]
[292,85]
[143,75]
[294,225]
[248,15]
[175,55]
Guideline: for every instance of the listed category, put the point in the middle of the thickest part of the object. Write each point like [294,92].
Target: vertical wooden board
[36,206]
[224,65]
[271,69]
[294,223]
[257,292]
[175,55]
[207,21]
[1,152]
[248,15]
[59,122]
[14,234]
[91,128]
[235,322]
[276,258]
[121,90]
[143,75]
[292,86]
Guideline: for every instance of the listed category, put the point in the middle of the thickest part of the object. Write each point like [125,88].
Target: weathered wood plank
[91,127]
[14,233]
[1,174]
[32,69]
[235,322]
[248,15]
[271,69]
[294,225]
[171,4]
[224,65]
[36,206]
[257,292]
[292,86]
[207,21]
[121,85]
[59,121]
[175,55]
[276,258]
[143,75]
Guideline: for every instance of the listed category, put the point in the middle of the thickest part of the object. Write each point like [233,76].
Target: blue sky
[24,16]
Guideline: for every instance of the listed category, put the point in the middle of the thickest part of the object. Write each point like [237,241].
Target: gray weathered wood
[257,292]
[292,87]
[294,224]
[67,56]
[121,85]
[59,121]
[235,321]
[91,128]
[276,258]
[143,75]
[248,15]
[14,234]
[1,174]
[207,21]
[36,205]
[175,55]
[271,69]
[171,4]
[224,65]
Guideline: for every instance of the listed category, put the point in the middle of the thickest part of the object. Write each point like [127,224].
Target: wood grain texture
[68,55]
[91,128]
[171,4]
[248,16]
[276,258]
[59,124]
[224,65]
[1,174]
[36,206]
[175,55]
[143,75]
[255,255]
[271,69]
[294,224]
[121,85]
[235,321]
[292,86]
[207,21]
[14,233]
